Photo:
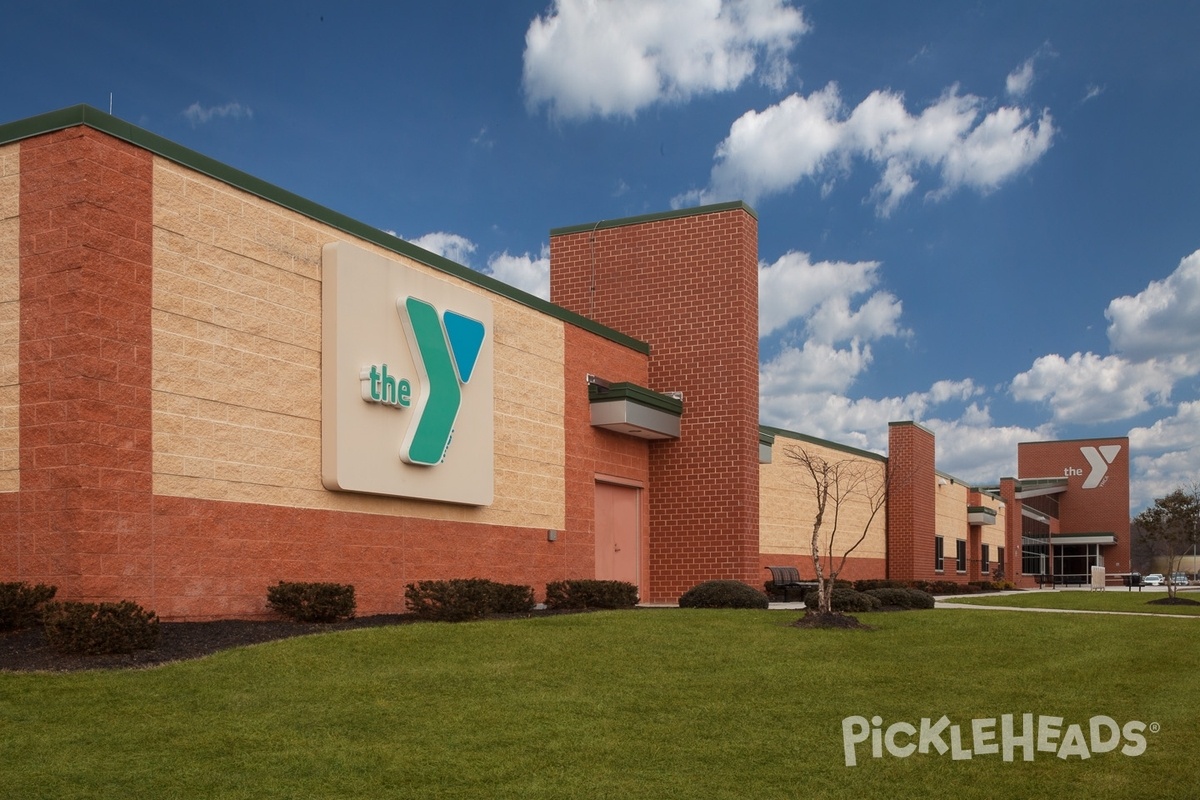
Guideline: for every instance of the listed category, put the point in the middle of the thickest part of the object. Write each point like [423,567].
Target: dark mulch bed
[26,651]
[813,619]
[1174,601]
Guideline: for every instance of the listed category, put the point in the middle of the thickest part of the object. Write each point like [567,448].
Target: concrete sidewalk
[954,601]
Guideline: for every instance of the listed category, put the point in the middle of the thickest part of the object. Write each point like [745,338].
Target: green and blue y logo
[445,349]
[429,401]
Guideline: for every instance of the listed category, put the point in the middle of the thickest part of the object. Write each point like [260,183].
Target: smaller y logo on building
[444,351]
[1098,459]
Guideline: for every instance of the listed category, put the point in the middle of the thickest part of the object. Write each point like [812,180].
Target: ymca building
[209,384]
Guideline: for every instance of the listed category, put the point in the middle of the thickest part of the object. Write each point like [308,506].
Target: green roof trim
[845,448]
[765,438]
[1024,483]
[1088,440]
[1102,538]
[678,213]
[912,423]
[981,510]
[120,129]
[636,394]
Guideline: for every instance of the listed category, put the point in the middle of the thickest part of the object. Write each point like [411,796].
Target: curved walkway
[954,602]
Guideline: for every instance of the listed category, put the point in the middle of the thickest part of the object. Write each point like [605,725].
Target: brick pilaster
[911,508]
[686,284]
[85,436]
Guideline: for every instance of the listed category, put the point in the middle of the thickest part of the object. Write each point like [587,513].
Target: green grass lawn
[647,704]
[1109,600]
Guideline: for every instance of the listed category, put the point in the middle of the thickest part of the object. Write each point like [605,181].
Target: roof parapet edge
[678,213]
[113,126]
[845,448]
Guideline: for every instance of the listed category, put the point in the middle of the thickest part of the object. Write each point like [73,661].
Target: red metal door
[617,524]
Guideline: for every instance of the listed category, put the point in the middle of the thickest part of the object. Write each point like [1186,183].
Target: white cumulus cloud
[1020,80]
[808,137]
[793,287]
[448,245]
[811,368]
[804,387]
[612,58]
[971,448]
[1167,454]
[1086,387]
[819,408]
[526,272]
[1163,320]
[198,114]
[1155,336]
[823,302]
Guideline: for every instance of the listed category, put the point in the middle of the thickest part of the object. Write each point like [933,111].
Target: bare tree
[1172,525]
[837,486]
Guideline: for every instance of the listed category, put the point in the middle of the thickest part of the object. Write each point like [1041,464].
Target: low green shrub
[723,594]
[99,628]
[511,598]
[844,600]
[993,585]
[21,604]
[878,583]
[312,602]
[461,599]
[584,594]
[902,597]
[944,587]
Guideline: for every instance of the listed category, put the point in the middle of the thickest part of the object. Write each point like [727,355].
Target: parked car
[1153,579]
[1179,579]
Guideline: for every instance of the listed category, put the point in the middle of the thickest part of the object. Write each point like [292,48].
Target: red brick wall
[1012,534]
[595,451]
[85,275]
[687,285]
[1101,509]
[10,535]
[974,567]
[214,559]
[911,508]
[86,519]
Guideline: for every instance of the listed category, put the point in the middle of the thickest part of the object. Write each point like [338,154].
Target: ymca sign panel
[407,384]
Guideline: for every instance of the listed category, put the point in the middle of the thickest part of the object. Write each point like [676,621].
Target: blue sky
[984,216]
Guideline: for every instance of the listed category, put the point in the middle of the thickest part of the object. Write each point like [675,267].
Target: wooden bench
[784,578]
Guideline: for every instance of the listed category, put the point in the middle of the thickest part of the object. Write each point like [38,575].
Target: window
[960,555]
[1033,557]
[985,554]
[939,557]
[1000,560]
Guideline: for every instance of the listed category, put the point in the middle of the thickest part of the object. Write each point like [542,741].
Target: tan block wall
[953,501]
[787,506]
[10,316]
[237,359]
[993,535]
[950,520]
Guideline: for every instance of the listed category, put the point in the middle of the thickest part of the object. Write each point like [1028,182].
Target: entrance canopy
[1064,539]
